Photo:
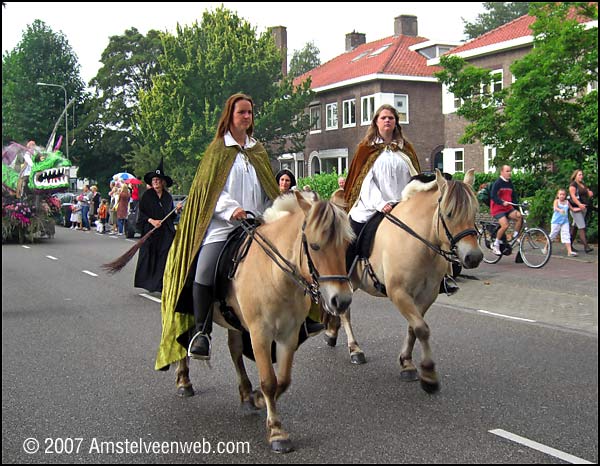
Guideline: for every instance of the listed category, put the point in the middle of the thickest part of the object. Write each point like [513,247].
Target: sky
[89,25]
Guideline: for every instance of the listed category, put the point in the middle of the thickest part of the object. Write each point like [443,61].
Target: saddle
[234,251]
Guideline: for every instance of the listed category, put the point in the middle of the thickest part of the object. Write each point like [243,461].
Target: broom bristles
[116,265]
[120,262]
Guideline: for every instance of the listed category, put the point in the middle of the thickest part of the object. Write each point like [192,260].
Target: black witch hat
[160,173]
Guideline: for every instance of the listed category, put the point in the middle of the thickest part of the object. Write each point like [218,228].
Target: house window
[315,118]
[367,109]
[489,153]
[459,161]
[401,104]
[496,84]
[349,117]
[332,116]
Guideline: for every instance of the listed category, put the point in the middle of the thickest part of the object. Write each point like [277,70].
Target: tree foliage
[304,60]
[30,111]
[202,65]
[548,114]
[498,13]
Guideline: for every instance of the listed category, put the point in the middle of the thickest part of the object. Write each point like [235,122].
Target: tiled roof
[515,29]
[396,59]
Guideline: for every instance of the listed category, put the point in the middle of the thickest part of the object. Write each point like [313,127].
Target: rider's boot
[203,308]
[448,285]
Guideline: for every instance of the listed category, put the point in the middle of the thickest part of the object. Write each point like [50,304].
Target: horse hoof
[185,392]
[409,375]
[282,446]
[430,387]
[358,358]
[331,341]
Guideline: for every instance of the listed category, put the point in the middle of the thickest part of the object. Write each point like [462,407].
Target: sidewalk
[559,251]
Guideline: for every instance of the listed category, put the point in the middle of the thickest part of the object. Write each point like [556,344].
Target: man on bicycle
[501,195]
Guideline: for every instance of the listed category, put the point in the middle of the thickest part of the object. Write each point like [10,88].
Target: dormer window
[380,50]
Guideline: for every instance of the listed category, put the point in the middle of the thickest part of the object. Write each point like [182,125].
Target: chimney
[406,25]
[280,35]
[354,39]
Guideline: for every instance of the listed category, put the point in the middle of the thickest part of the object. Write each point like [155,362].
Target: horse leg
[248,398]
[408,371]
[277,437]
[356,354]
[332,327]
[428,377]
[184,386]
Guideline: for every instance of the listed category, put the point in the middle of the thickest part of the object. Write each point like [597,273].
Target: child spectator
[76,220]
[103,215]
[560,221]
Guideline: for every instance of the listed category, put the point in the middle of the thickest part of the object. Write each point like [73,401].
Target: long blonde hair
[373,131]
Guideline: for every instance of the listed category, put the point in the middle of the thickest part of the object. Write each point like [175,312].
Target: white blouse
[242,189]
[384,183]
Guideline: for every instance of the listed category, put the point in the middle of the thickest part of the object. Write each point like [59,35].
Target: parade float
[31,174]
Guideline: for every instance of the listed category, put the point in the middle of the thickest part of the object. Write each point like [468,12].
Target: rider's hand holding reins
[238,214]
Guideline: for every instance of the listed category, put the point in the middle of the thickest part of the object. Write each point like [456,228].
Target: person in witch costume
[234,176]
[154,206]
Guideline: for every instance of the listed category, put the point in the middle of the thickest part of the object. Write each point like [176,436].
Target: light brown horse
[308,238]
[441,213]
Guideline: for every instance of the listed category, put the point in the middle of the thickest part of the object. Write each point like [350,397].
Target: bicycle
[535,247]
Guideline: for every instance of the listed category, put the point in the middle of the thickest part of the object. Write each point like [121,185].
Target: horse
[432,225]
[302,241]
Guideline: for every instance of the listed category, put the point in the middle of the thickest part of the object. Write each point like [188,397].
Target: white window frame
[489,154]
[459,161]
[367,109]
[331,116]
[349,113]
[401,98]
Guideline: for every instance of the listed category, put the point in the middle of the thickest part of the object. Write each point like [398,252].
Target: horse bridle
[311,289]
[451,255]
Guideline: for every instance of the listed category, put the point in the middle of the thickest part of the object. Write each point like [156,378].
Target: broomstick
[116,265]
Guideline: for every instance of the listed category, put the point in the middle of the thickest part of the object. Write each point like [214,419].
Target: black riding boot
[203,308]
[448,285]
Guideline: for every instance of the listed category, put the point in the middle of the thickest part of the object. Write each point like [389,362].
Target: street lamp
[66,117]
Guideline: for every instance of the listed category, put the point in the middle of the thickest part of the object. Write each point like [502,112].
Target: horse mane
[324,220]
[458,197]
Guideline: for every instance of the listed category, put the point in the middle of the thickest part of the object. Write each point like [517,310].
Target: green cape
[207,186]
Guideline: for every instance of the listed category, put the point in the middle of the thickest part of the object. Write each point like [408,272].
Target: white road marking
[151,298]
[26,247]
[90,273]
[505,316]
[539,447]
[52,257]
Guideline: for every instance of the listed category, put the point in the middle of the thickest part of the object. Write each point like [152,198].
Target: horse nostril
[341,303]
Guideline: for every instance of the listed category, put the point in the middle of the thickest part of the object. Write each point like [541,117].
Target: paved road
[78,354]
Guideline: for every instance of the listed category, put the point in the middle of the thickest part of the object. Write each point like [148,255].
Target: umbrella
[133,181]
[121,176]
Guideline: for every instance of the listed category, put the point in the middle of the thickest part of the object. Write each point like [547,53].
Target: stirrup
[200,357]
[449,285]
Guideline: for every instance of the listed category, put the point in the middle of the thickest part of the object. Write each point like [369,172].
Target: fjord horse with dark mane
[433,224]
[296,255]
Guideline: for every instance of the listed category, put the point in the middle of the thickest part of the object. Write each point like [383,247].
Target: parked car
[67,200]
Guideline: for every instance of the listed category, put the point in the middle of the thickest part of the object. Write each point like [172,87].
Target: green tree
[202,66]
[548,114]
[129,62]
[30,111]
[498,13]
[304,60]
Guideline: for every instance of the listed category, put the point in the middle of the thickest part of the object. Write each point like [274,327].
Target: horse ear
[441,181]
[337,199]
[304,204]
[470,177]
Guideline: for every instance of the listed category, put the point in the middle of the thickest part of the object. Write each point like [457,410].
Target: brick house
[350,87]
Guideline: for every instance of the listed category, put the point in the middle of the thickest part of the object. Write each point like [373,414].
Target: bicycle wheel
[535,248]
[486,241]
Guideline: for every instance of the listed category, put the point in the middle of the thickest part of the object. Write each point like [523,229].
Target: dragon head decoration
[46,171]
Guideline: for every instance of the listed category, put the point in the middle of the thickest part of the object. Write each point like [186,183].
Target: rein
[451,255]
[312,289]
